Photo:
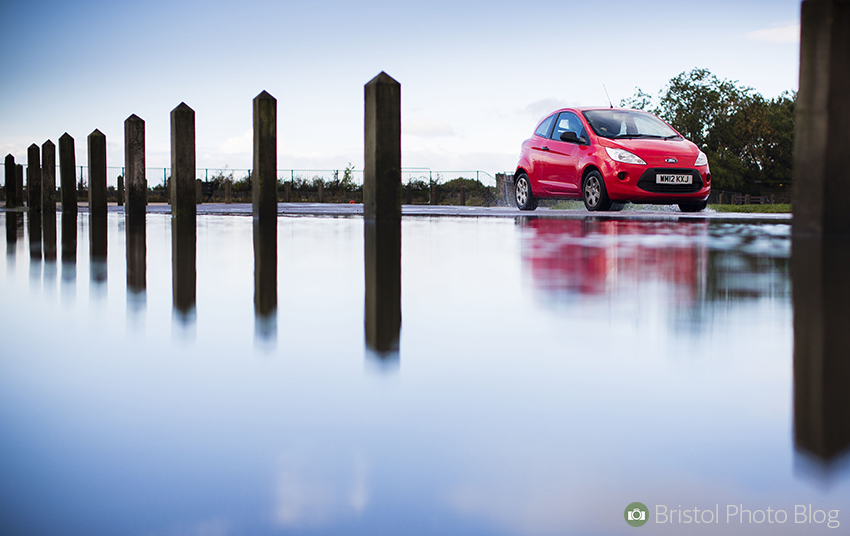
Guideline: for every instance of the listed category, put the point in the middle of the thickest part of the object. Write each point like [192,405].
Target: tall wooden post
[34,178]
[48,176]
[183,212]
[264,178]
[821,231]
[265,157]
[183,163]
[9,168]
[134,170]
[68,174]
[382,213]
[821,136]
[97,173]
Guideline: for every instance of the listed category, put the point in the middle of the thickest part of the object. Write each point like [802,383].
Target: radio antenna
[606,94]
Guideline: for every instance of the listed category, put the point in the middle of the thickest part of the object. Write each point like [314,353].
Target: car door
[538,148]
[559,160]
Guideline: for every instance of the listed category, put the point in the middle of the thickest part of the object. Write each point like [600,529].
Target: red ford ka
[608,157]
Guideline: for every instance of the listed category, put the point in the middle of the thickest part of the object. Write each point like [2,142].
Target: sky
[475,75]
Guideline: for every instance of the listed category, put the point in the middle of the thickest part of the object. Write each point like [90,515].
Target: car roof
[589,108]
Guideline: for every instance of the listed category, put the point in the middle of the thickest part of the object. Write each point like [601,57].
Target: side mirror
[572,137]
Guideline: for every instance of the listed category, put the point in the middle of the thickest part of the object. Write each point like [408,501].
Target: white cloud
[542,107]
[427,128]
[789,33]
[243,143]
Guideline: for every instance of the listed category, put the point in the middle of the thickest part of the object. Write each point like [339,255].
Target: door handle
[544,149]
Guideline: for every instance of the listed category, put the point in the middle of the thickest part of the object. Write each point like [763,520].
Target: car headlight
[621,155]
[702,160]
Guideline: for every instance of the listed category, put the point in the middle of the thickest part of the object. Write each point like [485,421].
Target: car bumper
[638,184]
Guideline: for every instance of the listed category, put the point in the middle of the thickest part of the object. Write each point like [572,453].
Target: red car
[608,157]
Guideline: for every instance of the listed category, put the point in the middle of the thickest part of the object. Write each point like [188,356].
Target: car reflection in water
[687,266]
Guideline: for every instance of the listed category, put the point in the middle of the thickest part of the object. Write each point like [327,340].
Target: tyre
[594,193]
[693,207]
[525,199]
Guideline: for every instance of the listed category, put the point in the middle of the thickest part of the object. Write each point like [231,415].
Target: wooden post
[264,193]
[199,192]
[9,168]
[34,178]
[287,191]
[97,173]
[382,170]
[228,187]
[68,175]
[463,195]
[382,214]
[321,191]
[48,177]
[97,206]
[136,207]
[264,175]
[408,195]
[183,163]
[119,191]
[134,170]
[183,211]
[432,197]
[822,112]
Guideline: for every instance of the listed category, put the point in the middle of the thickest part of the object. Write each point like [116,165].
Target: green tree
[748,139]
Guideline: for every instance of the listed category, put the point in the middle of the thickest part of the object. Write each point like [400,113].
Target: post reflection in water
[97,251]
[382,259]
[34,225]
[49,246]
[183,274]
[14,221]
[136,265]
[821,341]
[69,250]
[265,279]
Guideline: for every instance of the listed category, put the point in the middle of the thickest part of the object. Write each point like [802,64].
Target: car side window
[568,122]
[545,127]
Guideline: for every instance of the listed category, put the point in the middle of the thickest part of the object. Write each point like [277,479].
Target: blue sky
[475,75]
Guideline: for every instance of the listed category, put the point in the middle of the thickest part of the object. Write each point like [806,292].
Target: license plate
[673,179]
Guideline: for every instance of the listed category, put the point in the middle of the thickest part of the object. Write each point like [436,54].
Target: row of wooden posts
[381,199]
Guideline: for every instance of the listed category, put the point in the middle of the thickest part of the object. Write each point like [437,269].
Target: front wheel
[693,207]
[594,193]
[525,199]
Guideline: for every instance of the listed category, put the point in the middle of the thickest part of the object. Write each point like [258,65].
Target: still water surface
[549,373]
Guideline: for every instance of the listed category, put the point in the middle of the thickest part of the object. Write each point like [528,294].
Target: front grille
[647,181]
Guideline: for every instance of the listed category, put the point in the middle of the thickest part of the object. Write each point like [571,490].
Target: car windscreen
[619,124]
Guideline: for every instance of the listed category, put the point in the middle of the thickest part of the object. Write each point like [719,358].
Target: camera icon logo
[635,514]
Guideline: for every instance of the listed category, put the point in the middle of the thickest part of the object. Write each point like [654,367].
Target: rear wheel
[525,199]
[693,207]
[594,193]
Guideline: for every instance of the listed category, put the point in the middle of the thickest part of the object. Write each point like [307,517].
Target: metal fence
[157,177]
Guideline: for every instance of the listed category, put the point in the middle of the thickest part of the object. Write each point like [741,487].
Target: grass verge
[753,209]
